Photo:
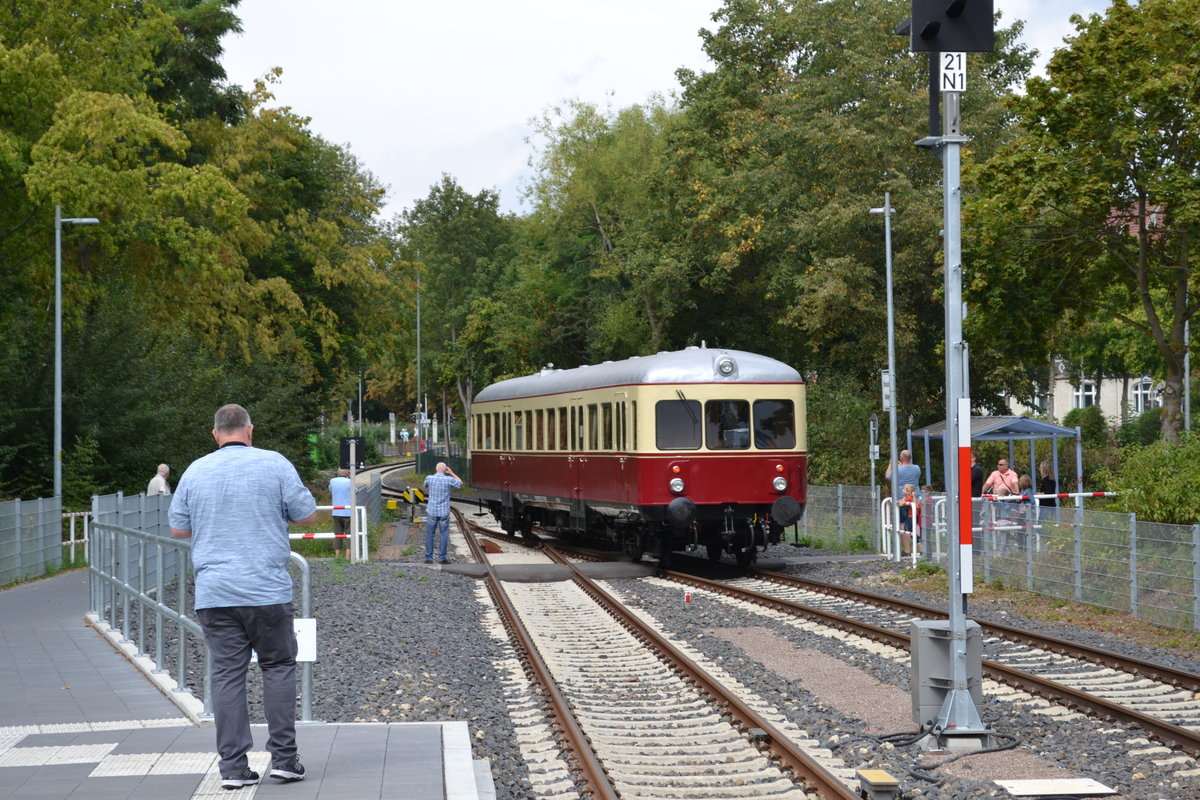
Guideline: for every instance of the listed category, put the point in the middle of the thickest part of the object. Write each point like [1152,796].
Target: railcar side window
[606,426]
[727,424]
[593,420]
[677,424]
[539,425]
[519,432]
[774,424]
[562,428]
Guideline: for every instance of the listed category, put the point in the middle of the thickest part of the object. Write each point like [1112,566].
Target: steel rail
[1158,672]
[1169,734]
[592,774]
[802,766]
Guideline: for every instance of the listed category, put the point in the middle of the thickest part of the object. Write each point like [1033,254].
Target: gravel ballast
[400,641]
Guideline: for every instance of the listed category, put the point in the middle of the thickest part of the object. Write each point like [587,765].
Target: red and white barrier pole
[965,564]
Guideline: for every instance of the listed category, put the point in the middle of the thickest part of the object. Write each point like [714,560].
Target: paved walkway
[78,720]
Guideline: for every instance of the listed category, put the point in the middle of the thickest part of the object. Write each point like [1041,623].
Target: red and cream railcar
[700,447]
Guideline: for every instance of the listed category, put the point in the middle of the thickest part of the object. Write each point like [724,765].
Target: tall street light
[891,382]
[58,223]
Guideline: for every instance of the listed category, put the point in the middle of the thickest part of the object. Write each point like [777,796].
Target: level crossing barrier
[359,547]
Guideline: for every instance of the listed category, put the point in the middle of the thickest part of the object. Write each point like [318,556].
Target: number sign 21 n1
[954,72]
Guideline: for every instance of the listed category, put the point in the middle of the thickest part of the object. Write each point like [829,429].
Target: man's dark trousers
[231,632]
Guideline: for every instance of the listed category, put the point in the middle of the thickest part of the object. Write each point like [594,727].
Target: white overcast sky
[417,88]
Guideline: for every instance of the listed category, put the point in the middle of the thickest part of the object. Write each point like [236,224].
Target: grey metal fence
[139,586]
[843,516]
[371,496]
[30,538]
[1106,559]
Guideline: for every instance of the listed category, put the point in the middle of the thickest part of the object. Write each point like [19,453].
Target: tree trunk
[1172,418]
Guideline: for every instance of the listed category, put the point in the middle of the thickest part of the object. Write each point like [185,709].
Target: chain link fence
[1106,559]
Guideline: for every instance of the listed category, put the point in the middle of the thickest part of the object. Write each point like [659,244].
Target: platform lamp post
[58,223]
[889,380]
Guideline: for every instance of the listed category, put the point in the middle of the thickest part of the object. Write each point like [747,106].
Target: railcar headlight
[780,483]
[676,485]
[725,366]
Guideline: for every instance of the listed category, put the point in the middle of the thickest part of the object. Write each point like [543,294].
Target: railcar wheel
[745,550]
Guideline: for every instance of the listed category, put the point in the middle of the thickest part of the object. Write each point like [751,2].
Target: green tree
[237,257]
[604,205]
[809,115]
[191,80]
[1094,204]
[459,246]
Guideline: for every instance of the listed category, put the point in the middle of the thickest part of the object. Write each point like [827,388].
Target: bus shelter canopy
[992,429]
[1006,429]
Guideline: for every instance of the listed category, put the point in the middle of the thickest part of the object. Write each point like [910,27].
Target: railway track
[1019,665]
[641,716]
[1158,699]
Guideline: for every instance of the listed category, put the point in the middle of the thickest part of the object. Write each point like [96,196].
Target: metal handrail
[114,584]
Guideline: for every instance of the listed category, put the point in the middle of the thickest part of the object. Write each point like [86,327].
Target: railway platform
[78,720]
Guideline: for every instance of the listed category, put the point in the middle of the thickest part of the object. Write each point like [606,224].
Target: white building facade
[1118,398]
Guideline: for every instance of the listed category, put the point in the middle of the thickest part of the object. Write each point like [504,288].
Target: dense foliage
[236,257]
[1160,482]
[1088,218]
[240,257]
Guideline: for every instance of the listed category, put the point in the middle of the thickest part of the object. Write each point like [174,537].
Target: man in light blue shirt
[906,472]
[235,505]
[339,492]
[437,509]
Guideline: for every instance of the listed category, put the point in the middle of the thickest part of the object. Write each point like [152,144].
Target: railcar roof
[692,365]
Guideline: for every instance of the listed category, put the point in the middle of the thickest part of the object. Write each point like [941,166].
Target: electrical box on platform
[932,677]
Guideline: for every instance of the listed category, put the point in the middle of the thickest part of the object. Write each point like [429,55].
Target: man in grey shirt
[235,505]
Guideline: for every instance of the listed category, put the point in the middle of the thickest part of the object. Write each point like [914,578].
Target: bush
[1159,483]
[1142,430]
[1091,422]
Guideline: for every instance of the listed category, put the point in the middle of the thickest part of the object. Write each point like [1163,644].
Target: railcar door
[507,459]
[577,434]
[623,468]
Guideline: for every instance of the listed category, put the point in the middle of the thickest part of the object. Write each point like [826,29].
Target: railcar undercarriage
[738,530]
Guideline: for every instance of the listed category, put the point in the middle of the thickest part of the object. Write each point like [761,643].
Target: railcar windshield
[727,424]
[677,424]
[774,425]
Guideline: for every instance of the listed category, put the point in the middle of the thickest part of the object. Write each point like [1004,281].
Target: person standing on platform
[1047,485]
[235,505]
[339,492]
[437,510]
[158,484]
[1002,476]
[976,477]
[906,471]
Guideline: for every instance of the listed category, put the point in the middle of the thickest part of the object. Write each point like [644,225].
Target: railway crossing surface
[77,720]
